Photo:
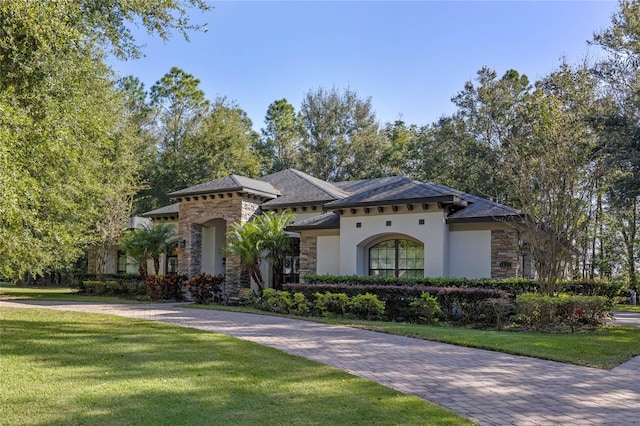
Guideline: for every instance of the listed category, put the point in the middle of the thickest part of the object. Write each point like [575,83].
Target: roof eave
[335,205]
[312,227]
[486,219]
[177,195]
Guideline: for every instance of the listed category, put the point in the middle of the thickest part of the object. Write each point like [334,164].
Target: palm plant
[275,243]
[147,243]
[243,241]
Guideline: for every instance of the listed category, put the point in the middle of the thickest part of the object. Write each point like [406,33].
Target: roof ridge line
[305,176]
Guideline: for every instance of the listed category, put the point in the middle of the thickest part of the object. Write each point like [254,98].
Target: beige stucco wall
[470,254]
[355,241]
[328,255]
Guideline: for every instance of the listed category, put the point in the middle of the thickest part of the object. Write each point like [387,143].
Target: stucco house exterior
[392,226]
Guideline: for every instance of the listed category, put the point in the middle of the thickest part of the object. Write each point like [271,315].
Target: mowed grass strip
[604,348]
[63,294]
[628,308]
[66,368]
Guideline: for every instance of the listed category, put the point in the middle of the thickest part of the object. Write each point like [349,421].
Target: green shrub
[366,306]
[275,301]
[565,311]
[299,304]
[127,285]
[165,287]
[204,287]
[496,311]
[456,303]
[513,286]
[101,288]
[426,308]
[331,303]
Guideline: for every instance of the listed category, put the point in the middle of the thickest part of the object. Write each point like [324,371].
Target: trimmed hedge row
[513,286]
[465,304]
[123,288]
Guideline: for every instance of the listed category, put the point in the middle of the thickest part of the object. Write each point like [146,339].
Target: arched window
[397,258]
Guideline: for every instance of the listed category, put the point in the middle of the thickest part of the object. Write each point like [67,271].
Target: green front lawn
[605,348]
[66,368]
[64,294]
[628,308]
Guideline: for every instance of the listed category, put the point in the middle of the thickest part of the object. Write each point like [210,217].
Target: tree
[243,241]
[62,120]
[195,140]
[339,135]
[262,238]
[275,243]
[549,169]
[178,109]
[619,128]
[280,137]
[489,113]
[400,154]
[144,244]
[224,145]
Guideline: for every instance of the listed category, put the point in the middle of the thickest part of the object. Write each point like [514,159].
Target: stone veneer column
[308,254]
[504,258]
[194,245]
[231,207]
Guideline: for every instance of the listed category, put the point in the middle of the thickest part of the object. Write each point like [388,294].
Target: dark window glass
[122,262]
[397,258]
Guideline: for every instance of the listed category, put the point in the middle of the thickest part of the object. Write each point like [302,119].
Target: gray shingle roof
[324,221]
[478,209]
[298,188]
[169,210]
[395,189]
[230,183]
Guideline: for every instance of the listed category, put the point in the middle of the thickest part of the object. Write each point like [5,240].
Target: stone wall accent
[308,254]
[504,257]
[232,207]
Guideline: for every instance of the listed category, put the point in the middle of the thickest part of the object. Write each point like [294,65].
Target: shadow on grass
[69,368]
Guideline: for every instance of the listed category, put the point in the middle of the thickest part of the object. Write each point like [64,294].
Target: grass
[628,308]
[604,348]
[67,368]
[63,294]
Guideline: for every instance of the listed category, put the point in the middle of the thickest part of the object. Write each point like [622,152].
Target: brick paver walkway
[490,388]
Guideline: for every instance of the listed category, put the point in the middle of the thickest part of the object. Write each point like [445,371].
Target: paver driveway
[490,388]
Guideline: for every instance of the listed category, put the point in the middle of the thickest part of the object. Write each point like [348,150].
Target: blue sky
[409,57]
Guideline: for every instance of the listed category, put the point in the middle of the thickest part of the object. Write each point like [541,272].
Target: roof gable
[230,183]
[395,189]
[169,210]
[478,209]
[298,188]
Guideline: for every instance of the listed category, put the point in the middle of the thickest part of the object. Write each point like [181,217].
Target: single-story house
[392,226]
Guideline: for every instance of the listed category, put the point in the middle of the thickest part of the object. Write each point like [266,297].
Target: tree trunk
[156,264]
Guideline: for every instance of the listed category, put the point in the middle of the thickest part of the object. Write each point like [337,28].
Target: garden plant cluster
[486,303]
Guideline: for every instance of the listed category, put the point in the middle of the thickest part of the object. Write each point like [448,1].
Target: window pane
[410,259]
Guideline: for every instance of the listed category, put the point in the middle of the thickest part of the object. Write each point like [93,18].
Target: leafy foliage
[68,142]
[165,287]
[427,308]
[204,287]
[340,135]
[543,312]
[148,243]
